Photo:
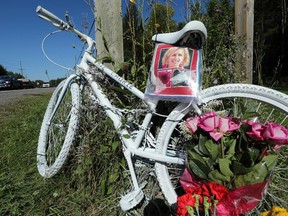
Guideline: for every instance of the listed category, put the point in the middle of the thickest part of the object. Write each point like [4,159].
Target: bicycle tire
[57,136]
[168,175]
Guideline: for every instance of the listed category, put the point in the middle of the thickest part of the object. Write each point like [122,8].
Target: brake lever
[68,20]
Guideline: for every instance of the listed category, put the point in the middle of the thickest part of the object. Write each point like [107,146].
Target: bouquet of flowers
[229,164]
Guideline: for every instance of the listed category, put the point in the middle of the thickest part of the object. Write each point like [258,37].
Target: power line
[21,68]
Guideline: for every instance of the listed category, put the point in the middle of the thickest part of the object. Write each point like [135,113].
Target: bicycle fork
[61,96]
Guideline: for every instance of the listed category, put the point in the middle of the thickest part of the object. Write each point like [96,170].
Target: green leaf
[88,161]
[105,59]
[198,168]
[254,154]
[133,70]
[249,157]
[103,186]
[243,129]
[142,68]
[224,164]
[238,169]
[209,162]
[115,145]
[231,149]
[121,66]
[109,122]
[213,149]
[218,177]
[113,177]
[194,155]
[268,162]
[259,172]
[104,149]
[197,165]
[201,146]
[249,178]
[110,190]
[126,136]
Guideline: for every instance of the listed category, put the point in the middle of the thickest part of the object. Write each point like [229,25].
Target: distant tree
[16,75]
[3,70]
[133,33]
[161,19]
[137,37]
[270,41]
[38,83]
[55,82]
[194,11]
[134,41]
[221,46]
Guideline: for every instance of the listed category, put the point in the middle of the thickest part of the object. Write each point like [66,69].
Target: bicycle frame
[131,147]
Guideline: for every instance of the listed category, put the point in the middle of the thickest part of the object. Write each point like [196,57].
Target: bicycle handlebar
[47,15]
[57,22]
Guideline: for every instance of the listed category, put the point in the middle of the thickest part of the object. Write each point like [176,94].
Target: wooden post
[244,28]
[109,30]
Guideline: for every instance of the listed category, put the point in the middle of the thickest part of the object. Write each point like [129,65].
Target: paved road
[8,96]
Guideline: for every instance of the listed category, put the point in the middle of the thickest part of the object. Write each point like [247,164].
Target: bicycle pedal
[131,199]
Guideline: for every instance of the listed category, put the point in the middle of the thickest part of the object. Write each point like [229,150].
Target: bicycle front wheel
[58,131]
[269,104]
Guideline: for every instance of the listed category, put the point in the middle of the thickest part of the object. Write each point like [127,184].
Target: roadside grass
[22,190]
[89,184]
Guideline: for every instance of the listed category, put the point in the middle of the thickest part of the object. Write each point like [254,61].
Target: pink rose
[216,126]
[208,121]
[233,125]
[192,123]
[257,130]
[276,134]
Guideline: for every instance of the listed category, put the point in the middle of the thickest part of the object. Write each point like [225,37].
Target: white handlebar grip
[50,17]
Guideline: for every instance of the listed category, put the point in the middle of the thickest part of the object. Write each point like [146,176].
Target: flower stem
[222,147]
[197,204]
[214,207]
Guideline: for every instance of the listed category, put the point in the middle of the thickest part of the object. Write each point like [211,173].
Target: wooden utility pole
[244,28]
[109,30]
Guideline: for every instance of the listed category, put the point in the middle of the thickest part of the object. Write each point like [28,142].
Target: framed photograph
[175,73]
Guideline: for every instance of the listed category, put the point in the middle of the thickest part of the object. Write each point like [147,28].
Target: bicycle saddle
[193,35]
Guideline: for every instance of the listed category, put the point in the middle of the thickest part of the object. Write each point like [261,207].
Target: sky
[22,32]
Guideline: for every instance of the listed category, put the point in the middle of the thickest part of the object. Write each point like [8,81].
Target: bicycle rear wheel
[58,131]
[271,105]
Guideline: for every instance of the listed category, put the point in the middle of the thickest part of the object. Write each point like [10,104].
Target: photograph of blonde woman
[174,71]
[176,57]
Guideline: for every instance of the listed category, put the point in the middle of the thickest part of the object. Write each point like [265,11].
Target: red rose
[213,189]
[205,190]
[182,202]
[194,190]
[219,191]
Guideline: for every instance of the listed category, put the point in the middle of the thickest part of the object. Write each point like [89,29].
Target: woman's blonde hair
[170,51]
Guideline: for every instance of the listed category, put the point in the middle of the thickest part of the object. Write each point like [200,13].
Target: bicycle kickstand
[133,198]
